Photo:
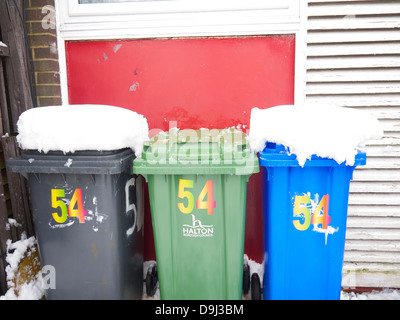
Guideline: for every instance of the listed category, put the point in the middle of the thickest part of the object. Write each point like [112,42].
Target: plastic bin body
[199,256]
[305,224]
[198,216]
[97,252]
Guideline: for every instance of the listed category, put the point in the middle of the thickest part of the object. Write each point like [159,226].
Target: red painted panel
[198,82]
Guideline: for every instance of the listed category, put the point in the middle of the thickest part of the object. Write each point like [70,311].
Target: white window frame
[170,6]
[181,18]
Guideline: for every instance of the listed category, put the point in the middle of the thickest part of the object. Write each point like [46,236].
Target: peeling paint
[95,253]
[134,87]
[104,57]
[137,72]
[117,47]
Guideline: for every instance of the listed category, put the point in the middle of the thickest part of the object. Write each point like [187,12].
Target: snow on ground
[82,127]
[16,252]
[326,131]
[386,294]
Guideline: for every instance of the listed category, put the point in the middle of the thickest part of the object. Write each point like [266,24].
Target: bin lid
[80,162]
[276,155]
[204,151]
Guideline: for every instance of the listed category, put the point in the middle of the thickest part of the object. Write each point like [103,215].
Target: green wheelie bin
[197,183]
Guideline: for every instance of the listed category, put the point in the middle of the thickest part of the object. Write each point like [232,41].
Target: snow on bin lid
[326,131]
[82,127]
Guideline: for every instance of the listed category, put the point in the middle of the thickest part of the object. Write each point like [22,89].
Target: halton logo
[197,229]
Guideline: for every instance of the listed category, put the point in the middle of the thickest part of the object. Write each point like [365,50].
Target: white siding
[353,59]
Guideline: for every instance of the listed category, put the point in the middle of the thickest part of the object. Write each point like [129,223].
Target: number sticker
[302,218]
[55,203]
[204,201]
[182,194]
[323,219]
[209,204]
[75,208]
[301,212]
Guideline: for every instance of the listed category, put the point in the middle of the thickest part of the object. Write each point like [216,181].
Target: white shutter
[353,59]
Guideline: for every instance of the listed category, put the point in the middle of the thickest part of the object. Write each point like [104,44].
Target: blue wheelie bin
[305,212]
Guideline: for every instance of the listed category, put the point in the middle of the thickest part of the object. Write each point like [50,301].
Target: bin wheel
[246,279]
[151,281]
[255,287]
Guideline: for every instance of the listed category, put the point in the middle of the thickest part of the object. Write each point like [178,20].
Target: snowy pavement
[386,294]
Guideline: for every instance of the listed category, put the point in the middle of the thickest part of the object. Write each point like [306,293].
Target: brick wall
[41,29]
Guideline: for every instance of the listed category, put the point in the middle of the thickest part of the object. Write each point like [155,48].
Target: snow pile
[82,127]
[19,288]
[326,131]
[386,294]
